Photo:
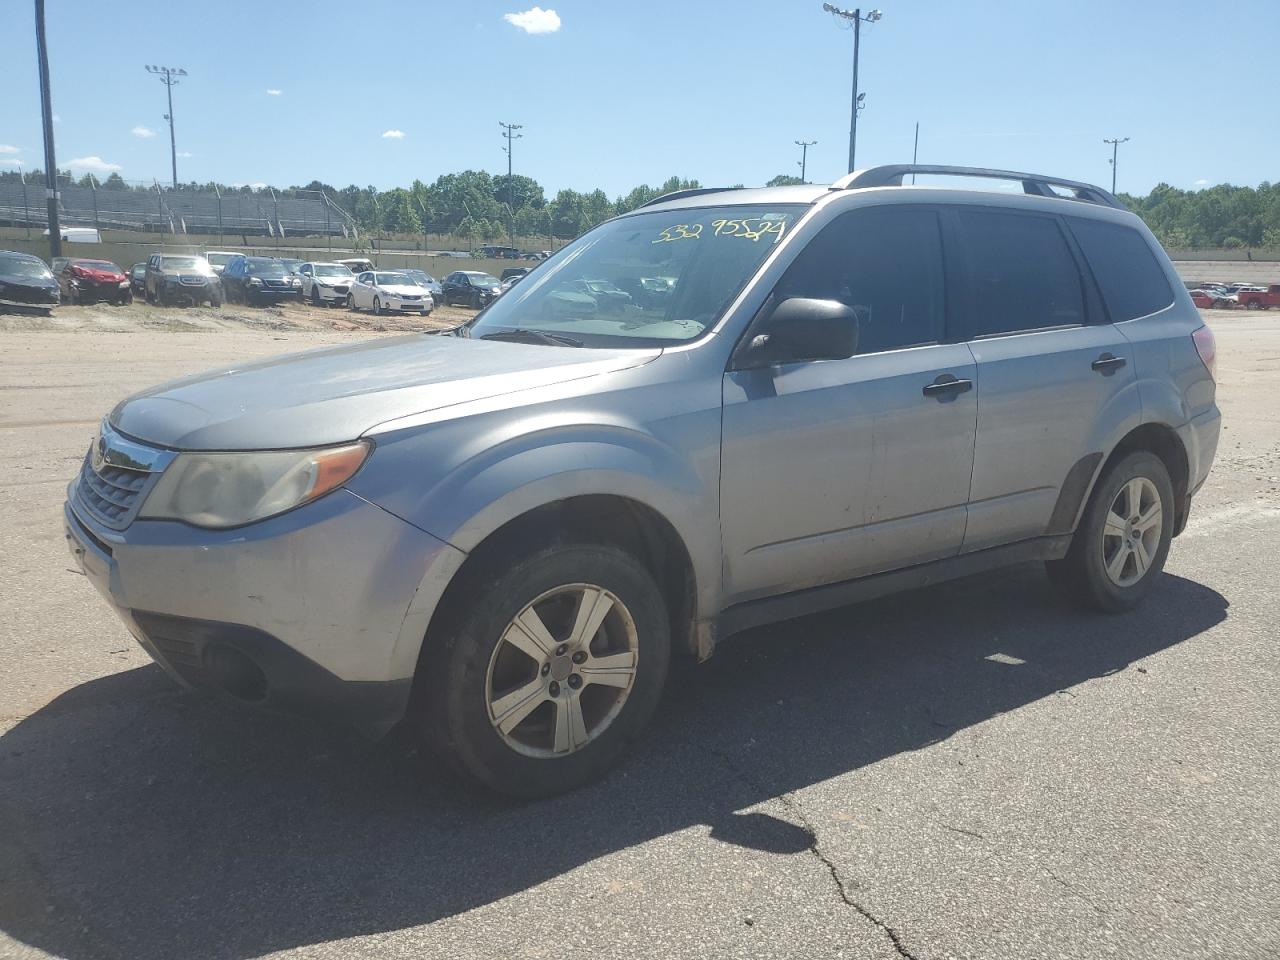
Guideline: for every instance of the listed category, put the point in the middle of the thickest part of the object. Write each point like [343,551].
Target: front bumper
[304,612]
[330,294]
[105,290]
[408,306]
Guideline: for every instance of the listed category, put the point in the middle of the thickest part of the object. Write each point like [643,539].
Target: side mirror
[800,329]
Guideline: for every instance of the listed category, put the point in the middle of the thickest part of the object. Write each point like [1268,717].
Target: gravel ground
[976,770]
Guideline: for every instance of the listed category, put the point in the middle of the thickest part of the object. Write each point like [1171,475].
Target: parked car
[258,280]
[138,279]
[496,252]
[57,263]
[325,283]
[386,291]
[510,272]
[1203,299]
[218,259]
[25,281]
[538,255]
[180,278]
[1259,298]
[471,287]
[609,297]
[424,279]
[357,264]
[88,281]
[504,535]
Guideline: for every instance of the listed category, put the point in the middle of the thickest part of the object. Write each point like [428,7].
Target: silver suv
[503,534]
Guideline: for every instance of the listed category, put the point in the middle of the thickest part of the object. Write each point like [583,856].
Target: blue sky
[625,93]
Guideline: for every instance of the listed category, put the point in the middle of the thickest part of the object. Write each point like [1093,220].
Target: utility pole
[509,134]
[26,212]
[915,151]
[857,19]
[804,146]
[166,75]
[50,161]
[1115,150]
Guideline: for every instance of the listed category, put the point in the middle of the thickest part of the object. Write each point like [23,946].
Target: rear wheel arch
[1156,438]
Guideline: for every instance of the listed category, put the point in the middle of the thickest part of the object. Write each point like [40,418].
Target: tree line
[474,204]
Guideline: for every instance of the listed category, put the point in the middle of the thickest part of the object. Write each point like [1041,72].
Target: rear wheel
[1123,538]
[377,307]
[316,299]
[545,669]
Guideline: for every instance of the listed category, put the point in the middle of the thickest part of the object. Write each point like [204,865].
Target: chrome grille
[116,476]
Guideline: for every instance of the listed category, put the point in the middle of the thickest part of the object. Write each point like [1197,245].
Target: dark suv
[173,278]
[471,287]
[258,280]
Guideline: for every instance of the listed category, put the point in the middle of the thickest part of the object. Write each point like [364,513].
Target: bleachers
[178,211]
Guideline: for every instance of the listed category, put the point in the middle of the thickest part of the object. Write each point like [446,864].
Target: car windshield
[219,258]
[643,280]
[266,268]
[22,267]
[183,263]
[482,279]
[331,270]
[389,279]
[418,276]
[106,265]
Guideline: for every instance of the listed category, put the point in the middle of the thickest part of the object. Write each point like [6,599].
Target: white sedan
[384,291]
[324,283]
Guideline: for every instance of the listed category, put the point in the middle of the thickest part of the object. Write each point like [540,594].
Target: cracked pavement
[972,771]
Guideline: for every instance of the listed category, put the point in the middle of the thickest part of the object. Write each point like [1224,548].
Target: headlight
[230,489]
[255,282]
[296,282]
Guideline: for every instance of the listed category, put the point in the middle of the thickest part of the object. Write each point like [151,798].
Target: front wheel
[377,307]
[543,671]
[351,302]
[1123,538]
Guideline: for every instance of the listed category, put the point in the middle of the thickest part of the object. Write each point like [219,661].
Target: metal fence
[157,209]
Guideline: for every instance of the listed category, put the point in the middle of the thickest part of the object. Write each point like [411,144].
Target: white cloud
[93,165]
[1202,183]
[5,148]
[185,154]
[145,133]
[273,92]
[393,135]
[534,20]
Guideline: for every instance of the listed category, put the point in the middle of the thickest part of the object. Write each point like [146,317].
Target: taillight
[1207,349]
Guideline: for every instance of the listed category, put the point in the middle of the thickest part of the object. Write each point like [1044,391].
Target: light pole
[857,19]
[50,162]
[804,146]
[1115,150]
[26,212]
[509,134]
[166,75]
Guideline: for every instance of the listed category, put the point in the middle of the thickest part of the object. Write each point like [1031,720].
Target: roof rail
[681,194]
[1035,184]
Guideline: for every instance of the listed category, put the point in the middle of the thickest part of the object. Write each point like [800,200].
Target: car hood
[335,394]
[403,290]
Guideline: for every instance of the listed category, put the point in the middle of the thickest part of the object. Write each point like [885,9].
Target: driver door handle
[946,388]
[1108,364]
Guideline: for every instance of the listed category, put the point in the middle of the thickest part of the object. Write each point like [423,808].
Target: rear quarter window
[1131,279]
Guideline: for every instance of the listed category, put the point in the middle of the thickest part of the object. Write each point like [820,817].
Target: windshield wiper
[529,335]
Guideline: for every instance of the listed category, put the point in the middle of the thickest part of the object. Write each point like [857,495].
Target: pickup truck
[1260,299]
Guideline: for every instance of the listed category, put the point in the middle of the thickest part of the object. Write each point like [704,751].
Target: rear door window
[1132,281]
[885,263]
[1020,273]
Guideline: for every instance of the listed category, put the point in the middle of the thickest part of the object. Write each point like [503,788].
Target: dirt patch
[140,316]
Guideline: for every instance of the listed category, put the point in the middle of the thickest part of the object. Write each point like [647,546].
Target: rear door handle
[1108,364]
[946,388]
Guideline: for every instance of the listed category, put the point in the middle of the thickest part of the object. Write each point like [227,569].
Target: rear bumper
[304,612]
[1200,440]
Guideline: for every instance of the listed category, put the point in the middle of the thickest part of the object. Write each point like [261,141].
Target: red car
[1202,299]
[1260,299]
[88,281]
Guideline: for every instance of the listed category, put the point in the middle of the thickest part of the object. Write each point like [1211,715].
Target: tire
[316,299]
[1105,539]
[1253,305]
[351,302]
[215,300]
[249,299]
[377,307]
[475,301]
[468,667]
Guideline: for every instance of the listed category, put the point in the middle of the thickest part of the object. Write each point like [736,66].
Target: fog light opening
[235,673]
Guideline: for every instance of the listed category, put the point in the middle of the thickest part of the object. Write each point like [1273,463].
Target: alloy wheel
[562,671]
[1131,532]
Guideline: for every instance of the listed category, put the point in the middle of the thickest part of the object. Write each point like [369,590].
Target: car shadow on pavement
[144,822]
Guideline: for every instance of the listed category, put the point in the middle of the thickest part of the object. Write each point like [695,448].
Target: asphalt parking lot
[976,770]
